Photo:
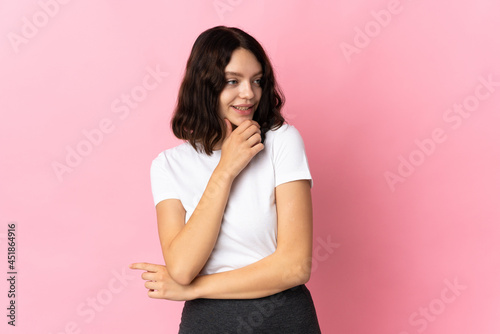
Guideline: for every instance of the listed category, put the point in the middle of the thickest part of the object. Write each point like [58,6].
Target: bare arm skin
[187,246]
[289,266]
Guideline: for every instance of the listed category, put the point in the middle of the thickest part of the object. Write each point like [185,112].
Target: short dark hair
[196,116]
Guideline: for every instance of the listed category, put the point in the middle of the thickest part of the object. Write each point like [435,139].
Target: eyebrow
[236,74]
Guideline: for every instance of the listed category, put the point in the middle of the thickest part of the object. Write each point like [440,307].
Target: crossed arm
[288,266]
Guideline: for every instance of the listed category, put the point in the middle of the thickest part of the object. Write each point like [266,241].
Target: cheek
[258,94]
[225,98]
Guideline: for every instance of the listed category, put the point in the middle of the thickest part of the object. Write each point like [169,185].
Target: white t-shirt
[249,225]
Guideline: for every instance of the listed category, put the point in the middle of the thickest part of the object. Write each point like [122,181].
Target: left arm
[288,266]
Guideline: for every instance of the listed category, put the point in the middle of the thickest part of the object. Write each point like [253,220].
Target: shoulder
[285,129]
[286,133]
[175,153]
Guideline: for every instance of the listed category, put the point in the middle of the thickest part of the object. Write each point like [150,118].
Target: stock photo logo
[322,250]
[430,312]
[9,242]
[32,25]
[122,107]
[373,28]
[98,302]
[223,6]
[263,309]
[454,118]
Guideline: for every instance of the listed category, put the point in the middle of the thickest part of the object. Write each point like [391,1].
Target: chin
[240,120]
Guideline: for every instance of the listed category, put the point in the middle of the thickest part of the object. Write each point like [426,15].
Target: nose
[246,90]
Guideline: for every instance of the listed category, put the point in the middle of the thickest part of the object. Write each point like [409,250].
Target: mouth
[243,109]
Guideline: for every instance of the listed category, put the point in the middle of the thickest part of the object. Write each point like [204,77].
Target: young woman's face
[240,97]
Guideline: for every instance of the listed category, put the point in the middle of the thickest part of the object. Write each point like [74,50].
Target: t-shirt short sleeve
[290,158]
[161,180]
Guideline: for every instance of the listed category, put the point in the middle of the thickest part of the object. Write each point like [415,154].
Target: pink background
[371,86]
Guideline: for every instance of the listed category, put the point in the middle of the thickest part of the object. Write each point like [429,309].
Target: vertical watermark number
[11,272]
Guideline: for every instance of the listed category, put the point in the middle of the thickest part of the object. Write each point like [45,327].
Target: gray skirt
[290,311]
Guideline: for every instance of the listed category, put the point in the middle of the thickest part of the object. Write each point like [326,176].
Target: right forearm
[191,248]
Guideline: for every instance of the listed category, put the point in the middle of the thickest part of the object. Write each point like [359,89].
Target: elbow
[298,273]
[180,275]
[178,271]
[304,274]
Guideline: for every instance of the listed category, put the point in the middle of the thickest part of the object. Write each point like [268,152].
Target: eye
[231,82]
[258,81]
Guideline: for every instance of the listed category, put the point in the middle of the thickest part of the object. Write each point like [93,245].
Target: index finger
[245,125]
[144,266]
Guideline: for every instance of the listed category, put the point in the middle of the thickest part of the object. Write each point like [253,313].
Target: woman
[233,202]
